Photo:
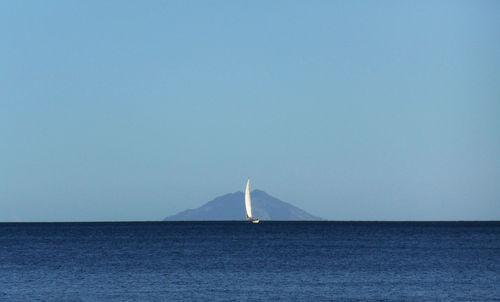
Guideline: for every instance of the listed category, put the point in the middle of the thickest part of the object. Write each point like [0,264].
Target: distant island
[231,207]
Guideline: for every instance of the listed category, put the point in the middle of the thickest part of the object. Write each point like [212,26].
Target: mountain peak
[231,206]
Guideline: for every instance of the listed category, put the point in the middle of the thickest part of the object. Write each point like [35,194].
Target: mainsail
[248,200]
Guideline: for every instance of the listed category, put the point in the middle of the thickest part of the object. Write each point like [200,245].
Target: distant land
[231,207]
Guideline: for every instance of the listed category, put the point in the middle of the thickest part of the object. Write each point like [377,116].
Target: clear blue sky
[134,110]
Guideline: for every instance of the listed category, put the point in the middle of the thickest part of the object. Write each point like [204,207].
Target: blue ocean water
[239,261]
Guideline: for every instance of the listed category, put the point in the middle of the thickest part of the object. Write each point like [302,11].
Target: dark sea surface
[240,261]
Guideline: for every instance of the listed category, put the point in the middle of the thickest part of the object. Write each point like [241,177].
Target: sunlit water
[239,261]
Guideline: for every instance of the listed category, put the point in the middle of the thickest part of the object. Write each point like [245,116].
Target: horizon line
[168,221]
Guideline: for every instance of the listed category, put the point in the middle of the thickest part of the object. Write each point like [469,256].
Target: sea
[240,261]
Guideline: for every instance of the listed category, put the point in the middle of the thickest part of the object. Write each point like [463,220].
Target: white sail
[248,200]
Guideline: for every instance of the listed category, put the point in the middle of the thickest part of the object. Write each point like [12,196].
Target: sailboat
[248,205]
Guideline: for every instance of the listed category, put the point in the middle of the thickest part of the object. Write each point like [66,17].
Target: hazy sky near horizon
[133,110]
